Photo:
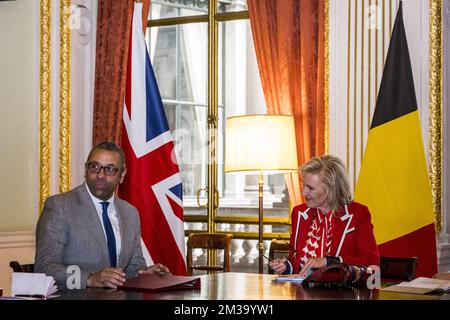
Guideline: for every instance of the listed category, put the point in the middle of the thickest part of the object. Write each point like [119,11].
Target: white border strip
[17,239]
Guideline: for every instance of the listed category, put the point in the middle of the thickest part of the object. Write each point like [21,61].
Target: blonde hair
[333,175]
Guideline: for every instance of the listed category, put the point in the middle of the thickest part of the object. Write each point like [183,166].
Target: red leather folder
[153,282]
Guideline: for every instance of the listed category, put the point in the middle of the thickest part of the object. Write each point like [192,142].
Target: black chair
[278,248]
[17,267]
[398,269]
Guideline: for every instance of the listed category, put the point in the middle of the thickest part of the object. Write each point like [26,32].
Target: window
[198,97]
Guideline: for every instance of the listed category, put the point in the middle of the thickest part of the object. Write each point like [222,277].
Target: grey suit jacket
[69,232]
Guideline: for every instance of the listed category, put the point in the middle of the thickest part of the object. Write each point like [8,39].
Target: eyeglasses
[96,168]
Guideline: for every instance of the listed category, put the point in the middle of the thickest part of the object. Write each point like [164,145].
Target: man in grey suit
[91,228]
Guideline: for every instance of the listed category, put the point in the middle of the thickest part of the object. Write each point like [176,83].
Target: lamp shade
[260,143]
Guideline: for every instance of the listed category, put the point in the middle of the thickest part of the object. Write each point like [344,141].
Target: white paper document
[289,278]
[420,285]
[35,285]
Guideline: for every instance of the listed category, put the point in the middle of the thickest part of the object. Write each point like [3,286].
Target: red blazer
[352,240]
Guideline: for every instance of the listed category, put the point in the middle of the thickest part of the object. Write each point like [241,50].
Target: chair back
[209,241]
[278,248]
[17,267]
[396,268]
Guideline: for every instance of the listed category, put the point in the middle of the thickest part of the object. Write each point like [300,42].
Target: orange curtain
[289,43]
[113,34]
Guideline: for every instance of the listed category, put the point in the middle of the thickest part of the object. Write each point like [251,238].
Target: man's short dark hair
[110,146]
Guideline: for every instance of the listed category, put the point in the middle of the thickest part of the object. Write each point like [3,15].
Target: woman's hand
[313,263]
[278,265]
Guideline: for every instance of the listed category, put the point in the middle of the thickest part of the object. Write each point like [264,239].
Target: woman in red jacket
[330,227]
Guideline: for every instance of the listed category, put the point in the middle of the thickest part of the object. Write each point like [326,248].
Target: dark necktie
[109,235]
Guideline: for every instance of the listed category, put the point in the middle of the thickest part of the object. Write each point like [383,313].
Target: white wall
[82,76]
[16,245]
[19,111]
[19,117]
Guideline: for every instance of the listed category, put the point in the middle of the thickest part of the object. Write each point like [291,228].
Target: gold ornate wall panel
[435,96]
[44,101]
[64,97]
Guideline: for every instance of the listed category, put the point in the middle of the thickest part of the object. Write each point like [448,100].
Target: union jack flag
[153,183]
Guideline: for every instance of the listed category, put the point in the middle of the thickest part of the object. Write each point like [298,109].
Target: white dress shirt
[112,214]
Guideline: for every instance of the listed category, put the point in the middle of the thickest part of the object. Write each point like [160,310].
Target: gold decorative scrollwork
[326,75]
[435,100]
[44,101]
[64,97]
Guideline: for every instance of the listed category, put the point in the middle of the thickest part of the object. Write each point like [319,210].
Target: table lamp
[260,144]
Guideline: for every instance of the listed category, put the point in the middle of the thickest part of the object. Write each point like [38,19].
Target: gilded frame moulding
[435,108]
[64,97]
[326,76]
[44,101]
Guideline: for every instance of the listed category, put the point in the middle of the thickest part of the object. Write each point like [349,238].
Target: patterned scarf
[318,240]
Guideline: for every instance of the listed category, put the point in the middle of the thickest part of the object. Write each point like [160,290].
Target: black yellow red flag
[393,180]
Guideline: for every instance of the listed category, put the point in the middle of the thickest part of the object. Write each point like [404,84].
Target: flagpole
[260,220]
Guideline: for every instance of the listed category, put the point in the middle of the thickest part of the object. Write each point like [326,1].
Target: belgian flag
[393,180]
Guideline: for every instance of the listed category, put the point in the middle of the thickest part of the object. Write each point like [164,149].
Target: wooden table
[246,286]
